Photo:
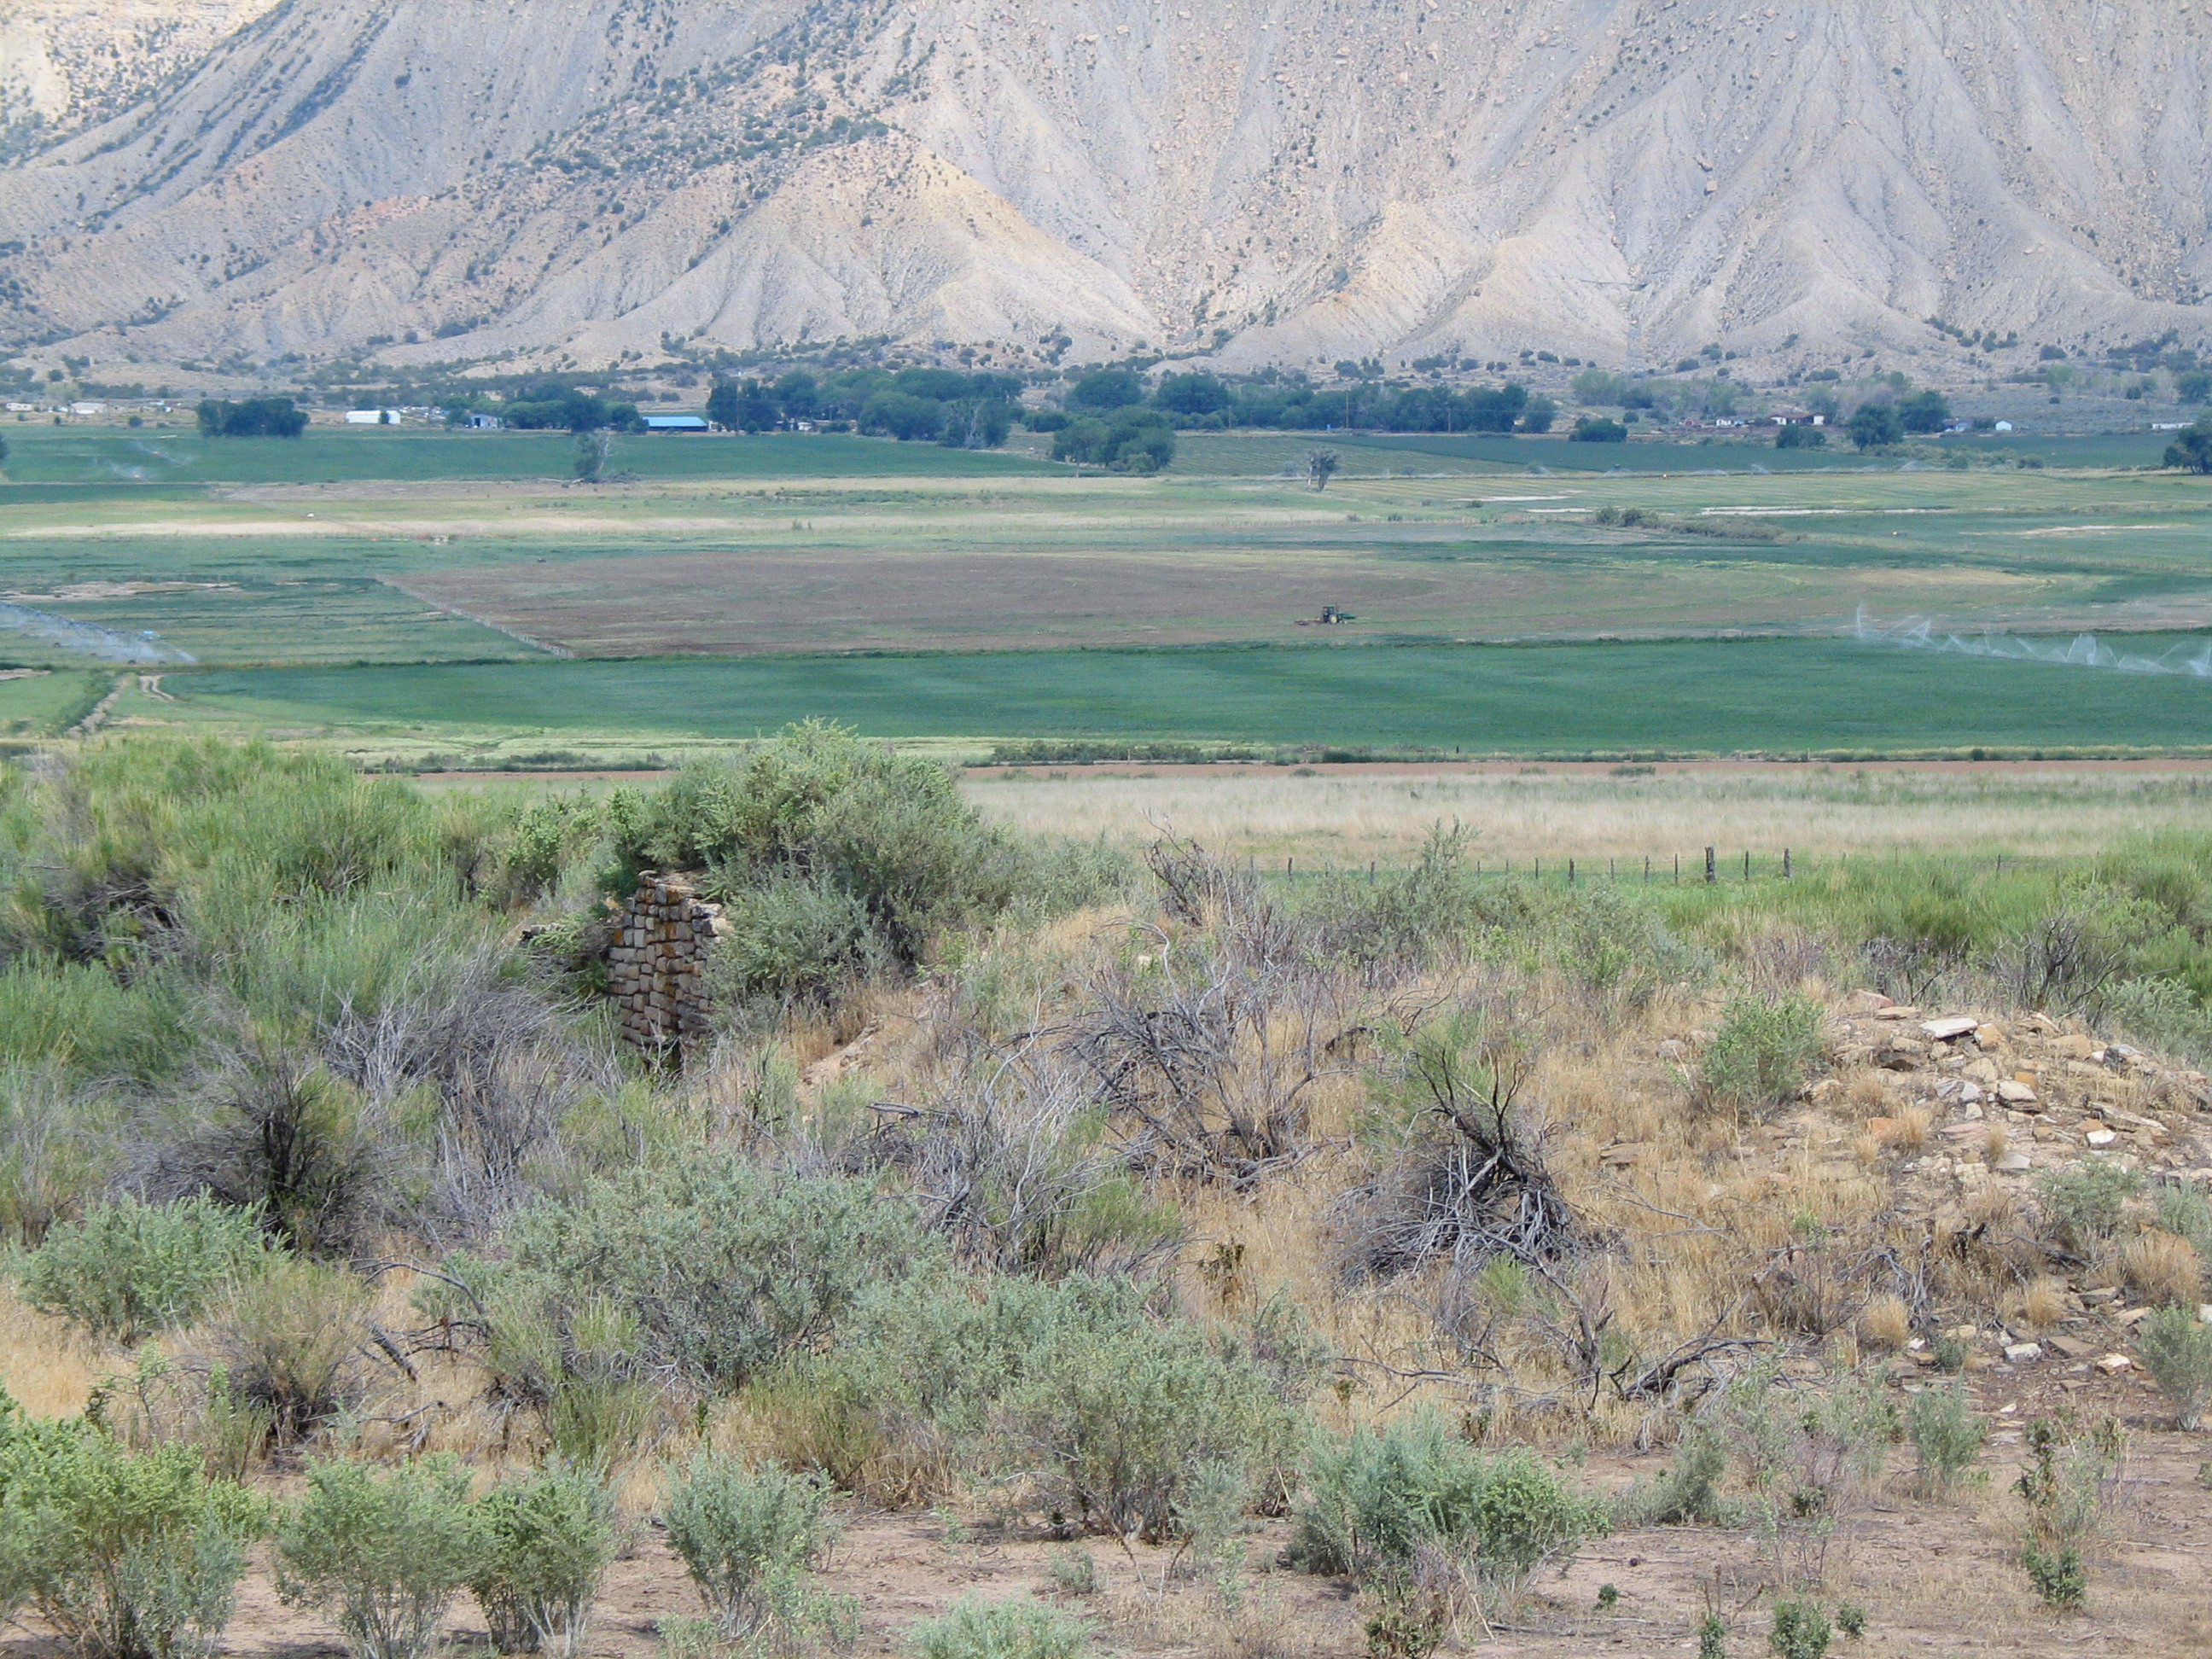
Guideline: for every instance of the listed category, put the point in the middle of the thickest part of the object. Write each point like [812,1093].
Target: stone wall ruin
[656,966]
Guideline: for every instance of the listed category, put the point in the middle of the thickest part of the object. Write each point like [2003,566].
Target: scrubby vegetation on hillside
[1143,1204]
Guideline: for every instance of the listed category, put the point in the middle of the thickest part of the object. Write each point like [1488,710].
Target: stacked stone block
[657,965]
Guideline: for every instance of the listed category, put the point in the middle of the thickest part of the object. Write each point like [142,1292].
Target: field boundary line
[515,633]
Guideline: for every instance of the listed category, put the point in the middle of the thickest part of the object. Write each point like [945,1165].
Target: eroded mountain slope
[1626,178]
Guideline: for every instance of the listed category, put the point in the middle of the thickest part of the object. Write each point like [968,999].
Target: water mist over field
[104,644]
[2082,651]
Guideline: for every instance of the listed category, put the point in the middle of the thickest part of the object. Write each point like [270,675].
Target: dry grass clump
[2045,1302]
[2160,1267]
[49,1369]
[1914,1124]
[1886,1322]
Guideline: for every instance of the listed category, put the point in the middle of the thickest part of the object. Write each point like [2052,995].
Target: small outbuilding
[676,423]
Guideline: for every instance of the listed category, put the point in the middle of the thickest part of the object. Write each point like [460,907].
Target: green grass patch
[82,457]
[1690,696]
[43,704]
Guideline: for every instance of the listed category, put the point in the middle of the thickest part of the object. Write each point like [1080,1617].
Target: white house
[372,417]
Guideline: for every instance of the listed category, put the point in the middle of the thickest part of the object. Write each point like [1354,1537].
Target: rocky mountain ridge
[1264,181]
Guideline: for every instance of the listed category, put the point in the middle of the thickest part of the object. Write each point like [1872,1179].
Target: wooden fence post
[1710,874]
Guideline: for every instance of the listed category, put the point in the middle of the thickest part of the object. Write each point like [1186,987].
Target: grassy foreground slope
[1051,1220]
[1694,695]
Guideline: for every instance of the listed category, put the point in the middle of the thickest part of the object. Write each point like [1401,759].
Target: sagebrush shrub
[548,1538]
[1686,1492]
[890,830]
[2084,1202]
[1073,1572]
[1122,1415]
[722,1264]
[382,1555]
[2186,1212]
[127,1269]
[793,938]
[576,1365]
[2064,1486]
[126,1556]
[1000,1629]
[2177,1351]
[1947,1432]
[1760,1053]
[1377,1500]
[747,1536]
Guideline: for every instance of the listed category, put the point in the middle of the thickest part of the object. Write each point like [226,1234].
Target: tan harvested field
[1059,561]
[1353,815]
[926,597]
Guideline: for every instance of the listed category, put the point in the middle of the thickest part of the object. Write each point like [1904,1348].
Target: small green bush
[1851,1620]
[2186,1212]
[792,939]
[747,1537]
[1000,1629]
[1946,1433]
[1758,1056]
[1712,1637]
[548,1539]
[382,1556]
[1122,1414]
[2177,1351]
[1377,1500]
[1075,1572]
[126,1556]
[1801,1630]
[128,1269]
[2064,1487]
[1686,1493]
[2059,1577]
[2084,1202]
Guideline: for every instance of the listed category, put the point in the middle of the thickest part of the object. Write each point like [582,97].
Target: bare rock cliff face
[1286,179]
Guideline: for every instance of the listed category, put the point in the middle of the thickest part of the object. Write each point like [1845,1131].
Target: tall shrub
[126,1556]
[382,1556]
[127,1268]
[722,1264]
[747,1536]
[547,1540]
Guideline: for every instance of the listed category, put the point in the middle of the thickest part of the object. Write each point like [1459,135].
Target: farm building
[676,423]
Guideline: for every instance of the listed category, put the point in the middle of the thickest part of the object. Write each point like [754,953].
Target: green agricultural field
[440,570]
[1436,454]
[96,455]
[41,704]
[956,578]
[1774,695]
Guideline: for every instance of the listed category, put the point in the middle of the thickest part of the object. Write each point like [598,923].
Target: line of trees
[914,405]
[256,417]
[1202,402]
